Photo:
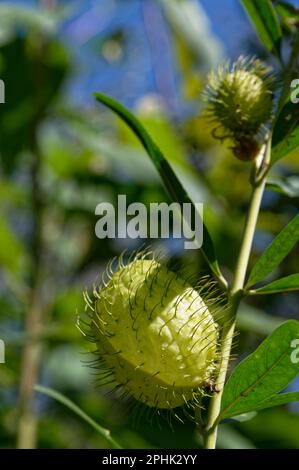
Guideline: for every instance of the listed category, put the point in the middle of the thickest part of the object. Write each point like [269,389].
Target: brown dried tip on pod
[239,104]
[246,149]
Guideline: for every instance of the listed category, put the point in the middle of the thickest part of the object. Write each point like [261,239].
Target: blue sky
[147,50]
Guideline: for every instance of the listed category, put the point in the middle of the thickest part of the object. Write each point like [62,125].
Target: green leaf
[72,406]
[289,15]
[191,29]
[279,399]
[172,184]
[264,18]
[285,284]
[262,374]
[275,400]
[287,186]
[286,130]
[275,252]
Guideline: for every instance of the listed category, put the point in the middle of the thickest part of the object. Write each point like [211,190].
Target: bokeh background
[62,154]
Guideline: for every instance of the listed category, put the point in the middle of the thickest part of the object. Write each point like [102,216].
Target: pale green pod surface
[156,334]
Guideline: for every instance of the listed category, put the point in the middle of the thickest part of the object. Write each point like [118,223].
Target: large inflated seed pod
[155,334]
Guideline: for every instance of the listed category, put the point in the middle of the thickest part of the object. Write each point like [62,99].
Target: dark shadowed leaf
[279,399]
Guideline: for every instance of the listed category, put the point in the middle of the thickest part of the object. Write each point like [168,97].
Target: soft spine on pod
[154,333]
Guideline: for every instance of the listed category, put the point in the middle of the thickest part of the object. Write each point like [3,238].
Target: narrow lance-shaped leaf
[172,184]
[262,374]
[275,252]
[285,284]
[286,130]
[277,400]
[72,406]
[266,22]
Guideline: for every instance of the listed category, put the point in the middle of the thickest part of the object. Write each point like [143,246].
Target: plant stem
[235,296]
[31,355]
[30,364]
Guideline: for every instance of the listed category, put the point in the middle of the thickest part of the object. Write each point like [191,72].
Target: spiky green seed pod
[155,334]
[239,99]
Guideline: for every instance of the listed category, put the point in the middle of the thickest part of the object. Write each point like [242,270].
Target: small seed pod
[155,333]
[239,100]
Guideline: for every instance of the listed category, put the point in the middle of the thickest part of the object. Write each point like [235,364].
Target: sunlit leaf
[275,252]
[265,20]
[262,374]
[285,284]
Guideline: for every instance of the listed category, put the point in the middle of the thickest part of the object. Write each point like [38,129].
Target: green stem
[31,354]
[237,290]
[235,296]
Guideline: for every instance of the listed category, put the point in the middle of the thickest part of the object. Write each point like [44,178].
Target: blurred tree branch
[31,356]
